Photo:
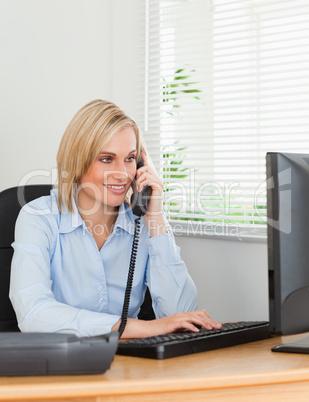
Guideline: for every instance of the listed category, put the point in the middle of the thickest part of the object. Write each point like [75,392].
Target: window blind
[222,83]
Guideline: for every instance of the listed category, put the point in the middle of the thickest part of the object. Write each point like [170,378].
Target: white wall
[231,277]
[125,54]
[55,56]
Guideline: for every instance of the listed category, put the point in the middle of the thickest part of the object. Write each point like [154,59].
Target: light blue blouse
[62,282]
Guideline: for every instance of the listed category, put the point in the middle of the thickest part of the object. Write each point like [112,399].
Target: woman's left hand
[147,176]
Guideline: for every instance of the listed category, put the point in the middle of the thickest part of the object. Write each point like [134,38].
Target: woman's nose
[120,170]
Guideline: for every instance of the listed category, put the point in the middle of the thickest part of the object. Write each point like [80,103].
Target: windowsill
[216,232]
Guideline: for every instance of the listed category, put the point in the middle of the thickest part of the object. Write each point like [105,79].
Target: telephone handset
[139,200]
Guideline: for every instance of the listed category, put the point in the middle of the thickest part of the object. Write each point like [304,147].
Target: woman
[72,248]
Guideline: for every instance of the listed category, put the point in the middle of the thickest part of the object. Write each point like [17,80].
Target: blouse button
[100,300]
[100,287]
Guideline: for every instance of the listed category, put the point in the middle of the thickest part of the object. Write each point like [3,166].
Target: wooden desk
[249,372]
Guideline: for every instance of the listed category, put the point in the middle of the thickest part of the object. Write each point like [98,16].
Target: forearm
[189,321]
[134,328]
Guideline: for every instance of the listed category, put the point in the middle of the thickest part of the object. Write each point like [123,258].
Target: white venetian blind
[224,82]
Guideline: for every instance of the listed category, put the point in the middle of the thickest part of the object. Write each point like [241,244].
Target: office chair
[11,201]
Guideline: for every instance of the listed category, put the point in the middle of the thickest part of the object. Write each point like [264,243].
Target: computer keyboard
[183,343]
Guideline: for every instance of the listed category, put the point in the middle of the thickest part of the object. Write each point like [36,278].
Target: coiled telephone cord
[126,302]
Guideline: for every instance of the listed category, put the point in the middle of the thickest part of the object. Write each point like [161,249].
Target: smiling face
[107,181]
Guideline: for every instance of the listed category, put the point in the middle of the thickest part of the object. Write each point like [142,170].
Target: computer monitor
[288,241]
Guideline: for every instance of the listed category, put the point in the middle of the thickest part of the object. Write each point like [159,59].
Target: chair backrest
[11,201]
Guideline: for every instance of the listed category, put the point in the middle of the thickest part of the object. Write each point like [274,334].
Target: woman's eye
[106,160]
[131,158]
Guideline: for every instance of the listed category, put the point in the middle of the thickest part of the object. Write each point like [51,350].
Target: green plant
[172,162]
[179,86]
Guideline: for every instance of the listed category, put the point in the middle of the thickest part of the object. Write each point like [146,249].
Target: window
[223,82]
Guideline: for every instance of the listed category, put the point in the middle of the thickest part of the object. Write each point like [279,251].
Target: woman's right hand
[181,321]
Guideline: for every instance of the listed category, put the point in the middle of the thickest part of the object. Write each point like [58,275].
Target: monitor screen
[288,241]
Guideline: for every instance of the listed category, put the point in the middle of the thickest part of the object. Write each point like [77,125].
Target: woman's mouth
[113,188]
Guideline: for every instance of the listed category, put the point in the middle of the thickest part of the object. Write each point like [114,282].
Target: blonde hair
[85,137]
